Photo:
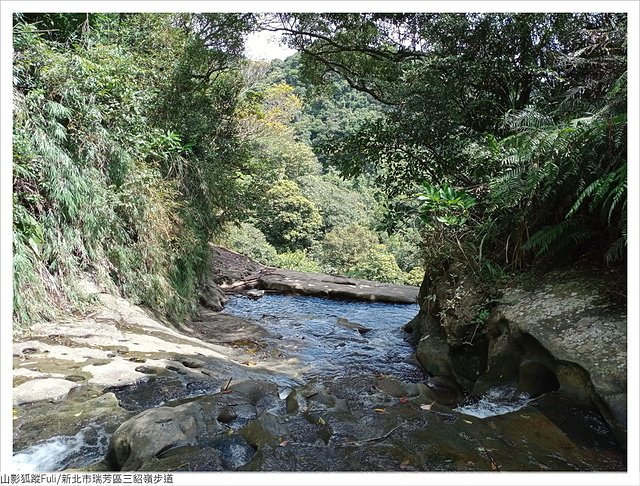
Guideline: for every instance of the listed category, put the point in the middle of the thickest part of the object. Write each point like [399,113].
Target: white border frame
[631,477]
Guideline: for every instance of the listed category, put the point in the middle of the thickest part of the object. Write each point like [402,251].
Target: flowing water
[63,452]
[318,334]
[308,329]
[497,401]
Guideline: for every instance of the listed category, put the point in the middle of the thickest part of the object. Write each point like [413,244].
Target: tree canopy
[389,142]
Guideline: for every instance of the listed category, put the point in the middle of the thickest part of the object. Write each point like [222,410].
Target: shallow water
[310,332]
[307,329]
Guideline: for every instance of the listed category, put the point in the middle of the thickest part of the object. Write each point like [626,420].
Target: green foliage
[377,264]
[338,204]
[553,239]
[297,260]
[248,240]
[405,246]
[355,251]
[288,220]
[342,248]
[445,205]
[113,176]
[414,276]
[522,112]
[608,194]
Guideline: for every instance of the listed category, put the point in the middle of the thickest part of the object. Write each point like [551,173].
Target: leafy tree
[377,264]
[125,155]
[343,247]
[248,240]
[297,260]
[510,108]
[338,205]
[289,220]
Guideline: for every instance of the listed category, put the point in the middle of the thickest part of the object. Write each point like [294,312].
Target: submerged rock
[346,323]
[255,294]
[359,423]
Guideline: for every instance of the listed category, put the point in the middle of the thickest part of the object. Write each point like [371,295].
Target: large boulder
[154,431]
[211,296]
[570,324]
[562,330]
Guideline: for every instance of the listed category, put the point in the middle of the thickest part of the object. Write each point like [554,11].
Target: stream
[361,383]
[309,330]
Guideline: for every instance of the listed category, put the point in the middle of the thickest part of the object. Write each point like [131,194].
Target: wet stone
[192,363]
[226,415]
[186,458]
[76,378]
[234,450]
[176,370]
[146,370]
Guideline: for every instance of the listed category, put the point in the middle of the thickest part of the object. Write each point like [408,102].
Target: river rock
[563,329]
[81,409]
[41,389]
[150,433]
[212,296]
[534,378]
[305,283]
[346,323]
[186,458]
[234,272]
[256,391]
[387,432]
[255,294]
[582,331]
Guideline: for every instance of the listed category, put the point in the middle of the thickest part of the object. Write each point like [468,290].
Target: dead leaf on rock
[404,464]
[283,443]
[379,410]
[427,406]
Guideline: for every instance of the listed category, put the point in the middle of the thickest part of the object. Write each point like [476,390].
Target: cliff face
[565,330]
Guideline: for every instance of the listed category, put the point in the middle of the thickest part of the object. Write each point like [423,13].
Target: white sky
[265,45]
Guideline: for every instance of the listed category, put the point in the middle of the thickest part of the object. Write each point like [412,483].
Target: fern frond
[550,240]
[617,251]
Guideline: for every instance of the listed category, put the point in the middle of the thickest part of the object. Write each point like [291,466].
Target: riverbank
[276,384]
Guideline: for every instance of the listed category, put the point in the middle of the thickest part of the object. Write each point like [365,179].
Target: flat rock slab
[42,389]
[320,285]
[234,272]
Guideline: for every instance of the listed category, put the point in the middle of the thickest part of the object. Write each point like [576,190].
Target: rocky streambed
[281,383]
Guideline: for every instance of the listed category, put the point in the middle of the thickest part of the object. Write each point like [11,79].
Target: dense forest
[390,144]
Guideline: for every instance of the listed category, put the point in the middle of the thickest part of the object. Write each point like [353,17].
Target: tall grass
[94,192]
